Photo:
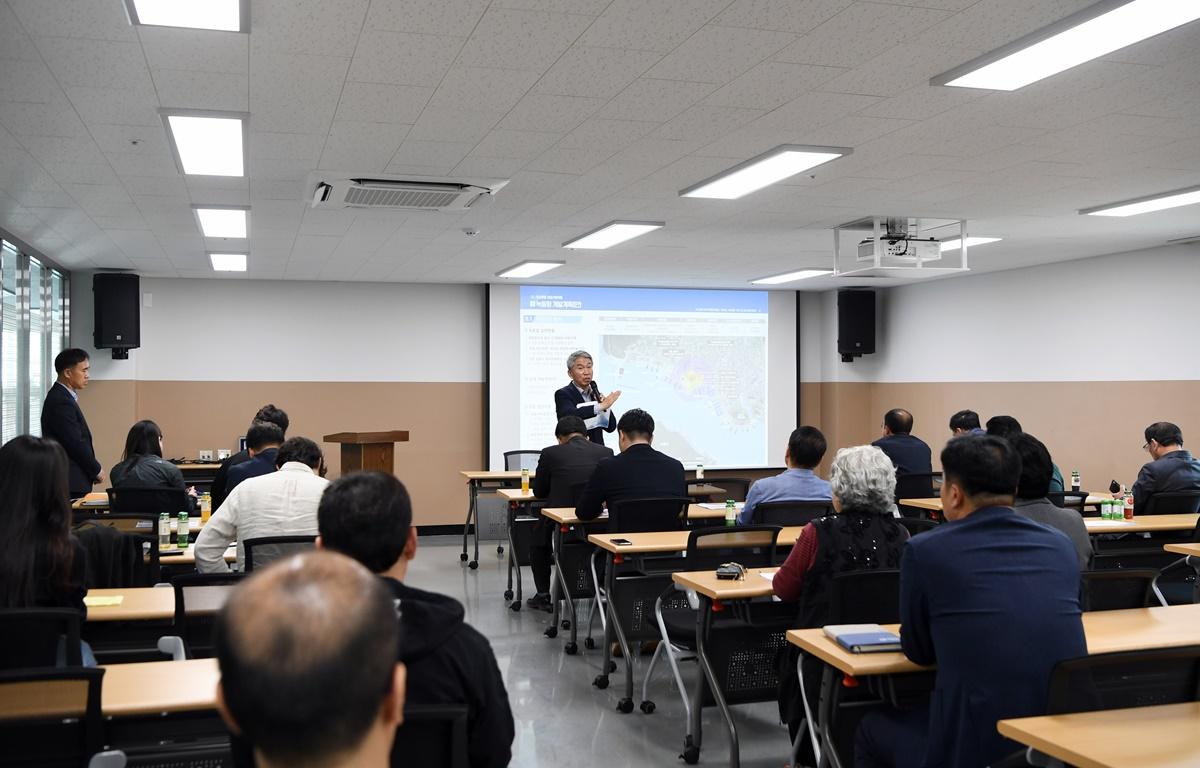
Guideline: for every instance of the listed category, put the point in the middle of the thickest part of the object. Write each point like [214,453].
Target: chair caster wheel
[463,557]
[589,643]
[601,682]
[508,593]
[691,755]
[612,666]
[566,624]
[515,607]
[570,649]
[647,707]
[625,706]
[500,550]
[551,632]
[473,565]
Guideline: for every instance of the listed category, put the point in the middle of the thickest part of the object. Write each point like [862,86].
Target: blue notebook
[863,638]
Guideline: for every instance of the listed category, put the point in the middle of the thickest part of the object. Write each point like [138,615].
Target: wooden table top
[93,500]
[516,494]
[1192,550]
[154,687]
[137,604]
[1106,631]
[483,474]
[1141,524]
[935,504]
[566,515]
[206,467]
[664,541]
[1145,737]
[189,555]
[756,584]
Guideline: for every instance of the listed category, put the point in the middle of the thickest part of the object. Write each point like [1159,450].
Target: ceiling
[596,110]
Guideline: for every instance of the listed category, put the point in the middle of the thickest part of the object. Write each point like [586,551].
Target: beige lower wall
[444,421]
[1093,426]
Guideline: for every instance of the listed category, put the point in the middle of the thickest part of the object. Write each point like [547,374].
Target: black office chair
[198,597]
[148,501]
[51,718]
[736,488]
[1171,503]
[1125,679]
[1116,589]
[790,512]
[666,513]
[1076,500]
[1178,592]
[518,460]
[916,525]
[432,736]
[32,637]
[917,485]
[865,597]
[262,551]
[122,549]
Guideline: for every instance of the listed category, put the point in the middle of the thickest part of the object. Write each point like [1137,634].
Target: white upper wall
[250,330]
[1124,317]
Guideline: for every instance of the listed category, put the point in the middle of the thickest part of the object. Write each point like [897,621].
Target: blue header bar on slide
[641,299]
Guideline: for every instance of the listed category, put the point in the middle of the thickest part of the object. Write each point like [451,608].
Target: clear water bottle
[164,530]
[730,512]
[1075,482]
[525,481]
[181,534]
[699,471]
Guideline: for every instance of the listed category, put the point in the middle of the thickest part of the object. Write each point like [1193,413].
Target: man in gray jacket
[1031,501]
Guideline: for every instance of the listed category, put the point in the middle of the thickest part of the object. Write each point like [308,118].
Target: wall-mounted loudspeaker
[856,324]
[118,313]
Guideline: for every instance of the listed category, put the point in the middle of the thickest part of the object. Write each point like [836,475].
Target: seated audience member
[975,592]
[142,464]
[1031,496]
[283,503]
[220,484]
[1172,468]
[862,536]
[1007,426]
[262,443]
[965,423]
[909,454]
[368,516]
[307,653]
[562,471]
[806,448]
[638,472]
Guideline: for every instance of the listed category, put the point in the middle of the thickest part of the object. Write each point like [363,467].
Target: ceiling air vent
[402,194]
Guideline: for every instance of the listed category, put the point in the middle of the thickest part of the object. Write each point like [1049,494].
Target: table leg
[625,705]
[1195,563]
[472,516]
[825,708]
[703,627]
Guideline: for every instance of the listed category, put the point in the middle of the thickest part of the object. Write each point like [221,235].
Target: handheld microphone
[596,392]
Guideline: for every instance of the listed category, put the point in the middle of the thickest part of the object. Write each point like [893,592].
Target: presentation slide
[699,361]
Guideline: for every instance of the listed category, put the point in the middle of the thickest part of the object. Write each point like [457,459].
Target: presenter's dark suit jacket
[638,472]
[560,467]
[566,403]
[63,420]
[993,600]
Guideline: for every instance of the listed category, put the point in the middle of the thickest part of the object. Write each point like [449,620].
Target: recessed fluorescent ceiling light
[612,233]
[955,244]
[228,262]
[223,15]
[222,222]
[208,146]
[788,277]
[1089,34]
[529,268]
[1189,196]
[762,171]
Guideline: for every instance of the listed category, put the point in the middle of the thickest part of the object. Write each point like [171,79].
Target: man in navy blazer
[583,389]
[63,421]
[637,472]
[991,598]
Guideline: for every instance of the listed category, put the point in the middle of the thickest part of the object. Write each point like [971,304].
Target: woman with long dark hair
[142,464]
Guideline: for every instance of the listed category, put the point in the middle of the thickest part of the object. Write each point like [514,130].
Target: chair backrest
[515,460]
[264,550]
[198,597]
[148,501]
[753,546]
[916,525]
[1126,679]
[736,488]
[432,736]
[666,513]
[790,512]
[132,560]
[31,637]
[50,717]
[865,597]
[1112,590]
[917,485]
[1075,500]
[1172,503]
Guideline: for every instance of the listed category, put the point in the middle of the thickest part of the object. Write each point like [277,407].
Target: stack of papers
[721,504]
[99,601]
[863,638]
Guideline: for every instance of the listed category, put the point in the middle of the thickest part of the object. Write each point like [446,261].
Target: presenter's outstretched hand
[608,401]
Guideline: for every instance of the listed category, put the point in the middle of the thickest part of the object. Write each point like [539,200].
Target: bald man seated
[309,677]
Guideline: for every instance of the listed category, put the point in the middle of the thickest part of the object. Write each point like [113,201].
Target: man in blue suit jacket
[63,421]
[991,598]
[583,389]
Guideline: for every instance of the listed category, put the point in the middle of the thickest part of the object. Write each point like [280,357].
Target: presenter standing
[582,398]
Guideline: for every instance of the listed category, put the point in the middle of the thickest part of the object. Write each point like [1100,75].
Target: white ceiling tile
[58,149]
[202,90]
[515,144]
[547,112]
[796,16]
[67,172]
[55,118]
[587,7]
[318,27]
[811,110]
[329,223]
[923,102]
[596,72]
[650,25]
[195,49]
[315,247]
[26,81]
[705,123]
[771,84]
[859,33]
[719,54]
[380,103]
[481,89]
[403,58]
[138,164]
[116,106]
[901,68]
[273,145]
[611,135]
[453,125]
[447,17]
[279,168]
[489,167]
[514,39]
[360,147]
[295,94]
[95,63]
[93,19]
[120,138]
[155,187]
[15,44]
[654,100]
[988,25]
[267,189]
[571,161]
[440,154]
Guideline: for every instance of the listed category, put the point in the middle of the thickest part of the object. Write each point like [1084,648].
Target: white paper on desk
[768,575]
[593,422]
[1093,524]
[720,504]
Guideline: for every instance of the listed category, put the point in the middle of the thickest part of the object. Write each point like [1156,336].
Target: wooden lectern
[368,450]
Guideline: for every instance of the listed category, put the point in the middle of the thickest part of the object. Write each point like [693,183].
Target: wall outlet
[206,455]
[223,453]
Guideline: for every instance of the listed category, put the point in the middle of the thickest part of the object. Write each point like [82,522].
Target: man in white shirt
[283,503]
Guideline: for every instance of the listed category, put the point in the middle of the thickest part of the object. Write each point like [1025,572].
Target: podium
[368,450]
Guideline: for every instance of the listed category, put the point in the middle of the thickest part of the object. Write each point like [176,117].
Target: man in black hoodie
[368,516]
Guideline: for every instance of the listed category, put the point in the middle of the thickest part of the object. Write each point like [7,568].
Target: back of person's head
[368,516]
[898,421]
[806,447]
[863,479]
[982,465]
[964,420]
[263,435]
[1003,426]
[299,449]
[35,520]
[570,425]
[636,423]
[1164,433]
[269,413]
[144,439]
[69,358]
[308,651]
[1036,466]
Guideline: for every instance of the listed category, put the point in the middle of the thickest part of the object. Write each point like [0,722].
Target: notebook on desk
[863,638]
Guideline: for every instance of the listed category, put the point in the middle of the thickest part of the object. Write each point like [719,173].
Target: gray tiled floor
[561,719]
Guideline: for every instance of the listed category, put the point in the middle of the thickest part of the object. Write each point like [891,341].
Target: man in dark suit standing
[582,398]
[991,598]
[638,472]
[562,471]
[63,421]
